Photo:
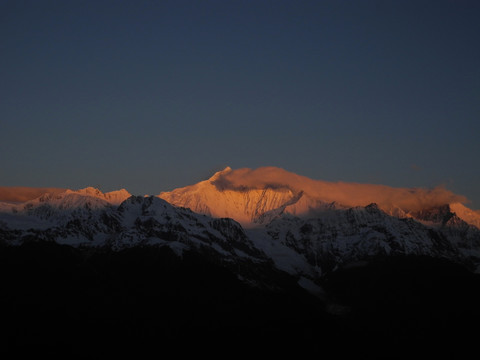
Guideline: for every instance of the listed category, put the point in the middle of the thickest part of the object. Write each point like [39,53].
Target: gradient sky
[153,95]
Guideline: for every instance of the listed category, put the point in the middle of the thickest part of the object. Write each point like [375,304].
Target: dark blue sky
[152,95]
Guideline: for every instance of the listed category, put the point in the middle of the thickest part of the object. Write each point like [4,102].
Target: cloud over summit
[349,194]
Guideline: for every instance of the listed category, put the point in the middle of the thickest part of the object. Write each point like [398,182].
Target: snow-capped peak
[470,216]
[220,173]
[117,197]
[112,197]
[249,205]
[60,204]
[254,197]
[88,191]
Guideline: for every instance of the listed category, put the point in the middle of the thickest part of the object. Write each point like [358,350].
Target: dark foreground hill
[146,300]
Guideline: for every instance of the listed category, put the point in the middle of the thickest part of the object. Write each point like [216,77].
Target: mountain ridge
[238,221]
[255,197]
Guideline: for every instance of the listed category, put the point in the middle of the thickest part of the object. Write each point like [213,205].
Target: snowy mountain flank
[258,223]
[255,197]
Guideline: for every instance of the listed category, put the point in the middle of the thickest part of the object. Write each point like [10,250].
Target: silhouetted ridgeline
[59,299]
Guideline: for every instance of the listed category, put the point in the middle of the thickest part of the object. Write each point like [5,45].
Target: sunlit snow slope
[254,197]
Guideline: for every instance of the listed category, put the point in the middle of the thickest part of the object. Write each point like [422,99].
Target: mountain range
[271,229]
[267,213]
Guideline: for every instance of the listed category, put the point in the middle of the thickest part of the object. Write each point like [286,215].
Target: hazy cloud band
[21,194]
[349,194]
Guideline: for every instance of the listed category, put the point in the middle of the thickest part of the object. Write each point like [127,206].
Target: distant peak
[90,191]
[113,197]
[219,173]
[117,197]
[244,194]
[119,192]
[470,216]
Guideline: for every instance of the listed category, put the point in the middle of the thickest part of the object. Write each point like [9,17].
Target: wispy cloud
[349,194]
[20,194]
